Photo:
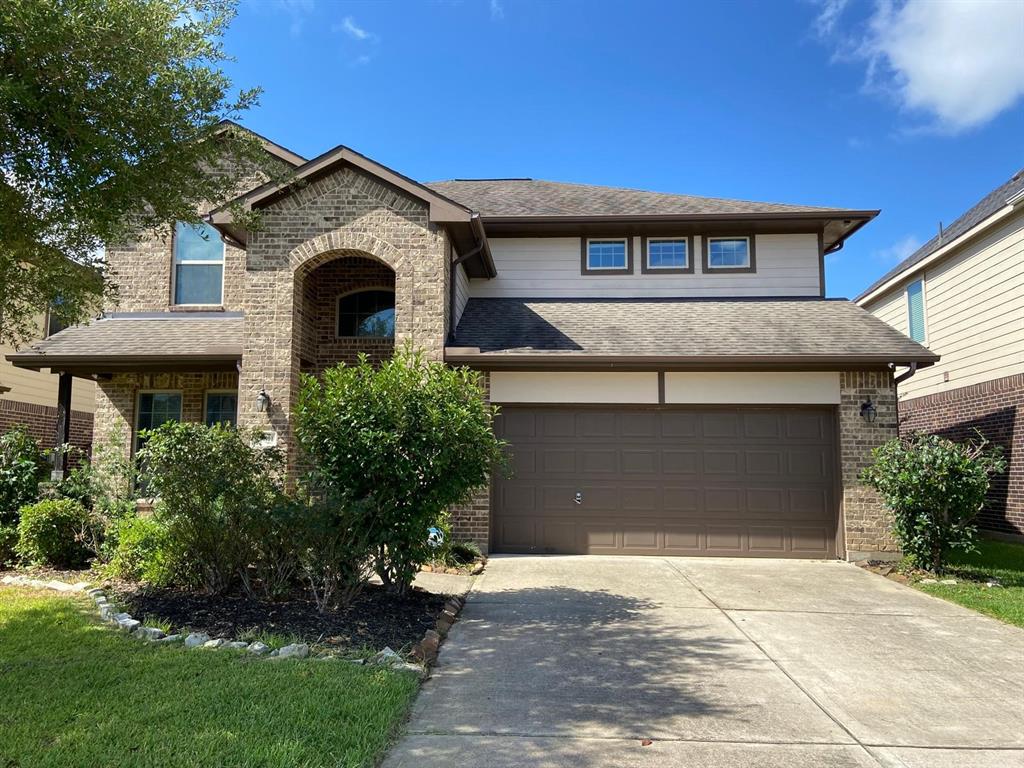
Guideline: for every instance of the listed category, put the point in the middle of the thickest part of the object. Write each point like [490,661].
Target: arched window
[367,313]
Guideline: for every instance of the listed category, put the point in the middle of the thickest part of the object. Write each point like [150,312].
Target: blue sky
[913,108]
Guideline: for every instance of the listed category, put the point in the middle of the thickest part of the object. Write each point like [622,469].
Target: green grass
[999,560]
[76,693]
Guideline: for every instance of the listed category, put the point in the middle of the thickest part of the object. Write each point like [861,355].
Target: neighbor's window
[198,264]
[667,254]
[367,313]
[728,252]
[221,408]
[607,254]
[156,408]
[915,311]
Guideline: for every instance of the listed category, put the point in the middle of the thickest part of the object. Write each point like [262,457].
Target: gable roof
[1004,195]
[282,153]
[756,333]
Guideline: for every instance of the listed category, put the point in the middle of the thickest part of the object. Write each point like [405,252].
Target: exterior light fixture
[868,412]
[263,401]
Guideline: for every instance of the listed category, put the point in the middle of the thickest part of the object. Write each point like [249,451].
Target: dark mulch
[377,619]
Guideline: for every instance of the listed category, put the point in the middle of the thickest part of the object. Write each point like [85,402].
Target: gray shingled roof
[530,197]
[159,337]
[988,205]
[826,329]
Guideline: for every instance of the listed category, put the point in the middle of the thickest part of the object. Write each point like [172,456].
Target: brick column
[471,521]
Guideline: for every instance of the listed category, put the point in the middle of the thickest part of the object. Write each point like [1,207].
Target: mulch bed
[377,619]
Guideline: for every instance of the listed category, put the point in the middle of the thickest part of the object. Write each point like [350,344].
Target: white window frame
[207,262]
[711,239]
[924,307]
[138,409]
[206,401]
[647,252]
[625,253]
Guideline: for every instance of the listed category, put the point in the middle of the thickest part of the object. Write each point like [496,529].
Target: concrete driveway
[572,661]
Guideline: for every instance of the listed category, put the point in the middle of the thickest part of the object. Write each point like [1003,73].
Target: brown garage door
[669,481]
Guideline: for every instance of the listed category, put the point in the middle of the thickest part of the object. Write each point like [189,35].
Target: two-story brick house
[671,377]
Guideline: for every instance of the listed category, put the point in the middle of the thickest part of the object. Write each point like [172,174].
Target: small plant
[935,488]
[142,552]
[274,640]
[155,621]
[54,532]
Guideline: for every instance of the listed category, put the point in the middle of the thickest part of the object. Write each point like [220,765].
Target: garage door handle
[579,498]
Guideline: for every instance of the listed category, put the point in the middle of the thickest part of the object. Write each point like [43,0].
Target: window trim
[337,310]
[924,308]
[584,252]
[138,410]
[645,264]
[206,262]
[206,401]
[705,245]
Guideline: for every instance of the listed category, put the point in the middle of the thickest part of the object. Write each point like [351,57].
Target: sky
[915,108]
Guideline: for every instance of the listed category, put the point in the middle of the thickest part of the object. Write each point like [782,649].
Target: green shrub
[402,441]
[8,545]
[335,550]
[54,532]
[143,551]
[935,488]
[22,468]
[215,490]
[465,552]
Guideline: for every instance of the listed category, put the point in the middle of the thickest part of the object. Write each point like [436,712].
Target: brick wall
[866,522]
[996,409]
[472,521]
[40,421]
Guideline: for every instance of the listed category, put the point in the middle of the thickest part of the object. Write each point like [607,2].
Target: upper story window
[198,265]
[609,256]
[667,254]
[367,313]
[729,253]
[915,311]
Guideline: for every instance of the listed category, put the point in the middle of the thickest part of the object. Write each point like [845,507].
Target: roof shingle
[829,330]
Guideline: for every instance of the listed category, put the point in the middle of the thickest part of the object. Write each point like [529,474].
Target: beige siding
[787,265]
[461,292]
[974,311]
[805,388]
[40,387]
[574,387]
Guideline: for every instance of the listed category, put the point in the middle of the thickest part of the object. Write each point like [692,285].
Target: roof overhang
[93,365]
[272,148]
[836,226]
[575,362]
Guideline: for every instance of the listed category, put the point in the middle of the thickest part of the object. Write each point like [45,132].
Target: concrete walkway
[572,661]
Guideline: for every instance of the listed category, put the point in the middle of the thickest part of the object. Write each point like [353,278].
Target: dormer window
[607,256]
[732,254]
[198,265]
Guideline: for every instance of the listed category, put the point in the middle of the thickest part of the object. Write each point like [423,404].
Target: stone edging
[109,614]
[425,651]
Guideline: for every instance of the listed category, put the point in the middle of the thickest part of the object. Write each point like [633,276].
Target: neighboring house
[962,295]
[671,379]
[28,399]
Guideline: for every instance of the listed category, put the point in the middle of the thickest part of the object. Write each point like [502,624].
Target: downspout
[911,370]
[474,225]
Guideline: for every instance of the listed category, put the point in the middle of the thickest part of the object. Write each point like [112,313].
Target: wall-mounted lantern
[868,412]
[263,401]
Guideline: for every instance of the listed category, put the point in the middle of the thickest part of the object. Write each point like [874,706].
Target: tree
[935,488]
[402,442]
[110,124]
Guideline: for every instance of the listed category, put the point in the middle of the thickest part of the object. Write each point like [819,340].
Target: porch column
[63,431]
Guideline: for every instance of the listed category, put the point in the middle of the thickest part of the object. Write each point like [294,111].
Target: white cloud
[353,30]
[361,61]
[497,10]
[958,63]
[899,250]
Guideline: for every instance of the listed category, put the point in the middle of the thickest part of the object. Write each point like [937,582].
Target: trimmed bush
[54,532]
[402,441]
[935,488]
[142,552]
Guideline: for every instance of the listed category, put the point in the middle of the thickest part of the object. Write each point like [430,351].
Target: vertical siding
[974,312]
[787,265]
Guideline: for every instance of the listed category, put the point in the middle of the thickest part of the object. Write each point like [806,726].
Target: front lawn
[75,693]
[995,560]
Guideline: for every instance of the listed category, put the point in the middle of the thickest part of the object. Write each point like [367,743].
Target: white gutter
[941,252]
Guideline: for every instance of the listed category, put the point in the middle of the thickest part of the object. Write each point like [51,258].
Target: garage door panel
[740,481]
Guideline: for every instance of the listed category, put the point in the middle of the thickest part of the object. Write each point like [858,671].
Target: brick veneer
[40,421]
[345,215]
[866,522]
[996,409]
[472,521]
